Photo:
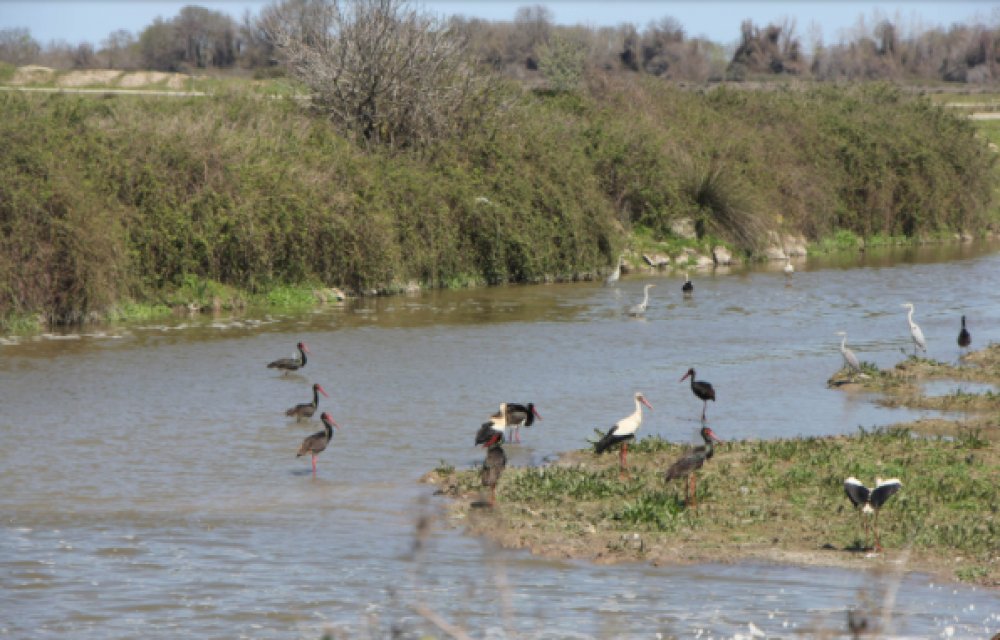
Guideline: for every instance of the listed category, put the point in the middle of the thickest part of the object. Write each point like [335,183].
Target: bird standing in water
[307,409]
[291,364]
[317,442]
[964,337]
[514,416]
[691,462]
[871,500]
[637,310]
[915,333]
[688,286]
[703,390]
[614,276]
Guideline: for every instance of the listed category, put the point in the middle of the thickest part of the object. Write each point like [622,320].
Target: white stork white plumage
[623,431]
[915,332]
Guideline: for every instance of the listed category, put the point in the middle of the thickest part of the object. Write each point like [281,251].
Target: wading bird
[688,286]
[704,390]
[964,337]
[850,360]
[496,425]
[623,431]
[915,332]
[316,443]
[614,276]
[291,364]
[493,465]
[788,268]
[514,416]
[307,409]
[691,462]
[871,500]
[640,309]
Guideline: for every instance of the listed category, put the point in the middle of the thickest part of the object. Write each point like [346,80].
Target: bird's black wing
[608,441]
[885,490]
[484,434]
[856,492]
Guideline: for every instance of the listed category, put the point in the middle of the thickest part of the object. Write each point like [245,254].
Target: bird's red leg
[878,542]
[314,464]
[694,491]
[517,434]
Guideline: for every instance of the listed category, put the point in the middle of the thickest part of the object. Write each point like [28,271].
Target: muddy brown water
[150,487]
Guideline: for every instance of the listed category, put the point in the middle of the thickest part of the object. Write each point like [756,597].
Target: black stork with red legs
[870,501]
[688,464]
[515,416]
[307,409]
[317,442]
[490,436]
[622,431]
[704,390]
[291,364]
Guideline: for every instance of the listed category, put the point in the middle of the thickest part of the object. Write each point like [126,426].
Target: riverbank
[780,500]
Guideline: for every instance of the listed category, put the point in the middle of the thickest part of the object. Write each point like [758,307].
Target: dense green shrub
[109,200]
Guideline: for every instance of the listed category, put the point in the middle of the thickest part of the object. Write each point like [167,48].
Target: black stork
[964,337]
[871,500]
[316,443]
[623,431]
[688,286]
[689,463]
[307,409]
[495,462]
[514,416]
[291,364]
[704,390]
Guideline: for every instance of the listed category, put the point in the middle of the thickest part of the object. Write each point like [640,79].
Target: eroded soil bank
[777,500]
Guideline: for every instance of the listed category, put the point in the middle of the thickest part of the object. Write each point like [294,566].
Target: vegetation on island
[777,500]
[118,204]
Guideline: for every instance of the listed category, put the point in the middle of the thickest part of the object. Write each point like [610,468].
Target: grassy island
[778,500]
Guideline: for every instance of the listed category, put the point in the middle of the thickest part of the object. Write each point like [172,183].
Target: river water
[150,485]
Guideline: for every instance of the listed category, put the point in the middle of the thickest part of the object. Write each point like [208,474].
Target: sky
[832,21]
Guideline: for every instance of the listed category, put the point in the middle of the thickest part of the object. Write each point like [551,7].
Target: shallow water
[151,488]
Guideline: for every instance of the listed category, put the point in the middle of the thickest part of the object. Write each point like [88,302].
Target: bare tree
[116,48]
[379,69]
[17,47]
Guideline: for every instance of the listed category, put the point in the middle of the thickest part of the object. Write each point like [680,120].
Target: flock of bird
[505,424]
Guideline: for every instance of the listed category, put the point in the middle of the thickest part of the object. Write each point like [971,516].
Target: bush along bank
[123,202]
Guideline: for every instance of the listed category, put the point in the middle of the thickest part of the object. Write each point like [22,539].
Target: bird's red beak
[305,348]
[535,411]
[684,376]
[329,418]
[323,391]
[493,441]
[711,434]
[646,402]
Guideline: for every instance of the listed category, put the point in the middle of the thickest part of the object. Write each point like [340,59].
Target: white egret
[850,360]
[640,309]
[915,332]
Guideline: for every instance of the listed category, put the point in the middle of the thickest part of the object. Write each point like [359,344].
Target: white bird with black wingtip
[871,500]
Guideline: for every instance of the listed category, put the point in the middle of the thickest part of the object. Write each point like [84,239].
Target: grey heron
[850,360]
[915,332]
[640,309]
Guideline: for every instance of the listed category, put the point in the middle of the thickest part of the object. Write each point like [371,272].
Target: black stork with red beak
[871,500]
[691,462]
[317,442]
[307,409]
[515,416]
[623,431]
[291,364]
[490,436]
[704,390]
[964,337]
